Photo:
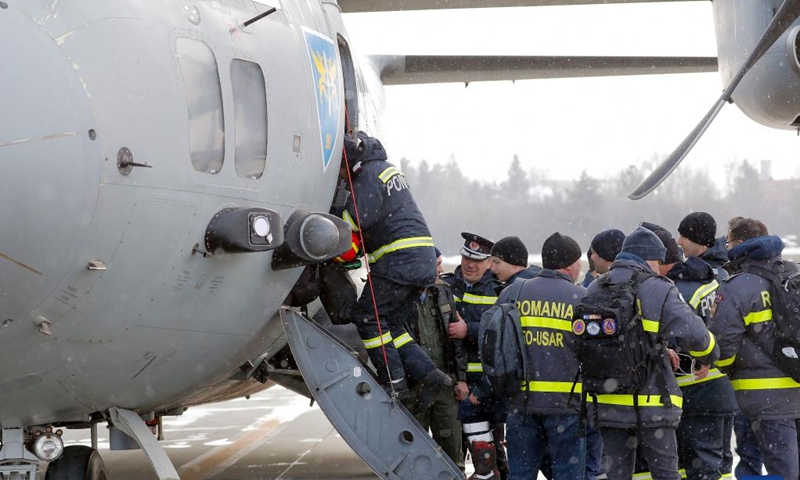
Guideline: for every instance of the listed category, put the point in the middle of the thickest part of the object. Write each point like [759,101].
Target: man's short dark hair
[747,228]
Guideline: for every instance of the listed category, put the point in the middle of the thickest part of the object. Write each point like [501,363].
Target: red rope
[366,257]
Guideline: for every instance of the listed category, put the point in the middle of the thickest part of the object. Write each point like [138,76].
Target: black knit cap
[511,250]
[608,243]
[644,244]
[700,228]
[560,251]
[475,247]
[674,252]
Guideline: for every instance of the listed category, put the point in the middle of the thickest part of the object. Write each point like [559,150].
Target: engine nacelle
[770,92]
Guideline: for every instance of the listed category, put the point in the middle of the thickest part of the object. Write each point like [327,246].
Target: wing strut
[380,430]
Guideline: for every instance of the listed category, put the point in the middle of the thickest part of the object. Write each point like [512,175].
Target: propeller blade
[784,17]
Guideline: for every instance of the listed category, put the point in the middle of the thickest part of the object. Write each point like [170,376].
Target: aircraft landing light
[48,445]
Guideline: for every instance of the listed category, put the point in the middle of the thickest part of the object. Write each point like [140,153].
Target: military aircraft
[170,167]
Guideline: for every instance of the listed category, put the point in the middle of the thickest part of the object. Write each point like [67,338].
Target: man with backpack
[622,327]
[751,314]
[704,432]
[541,417]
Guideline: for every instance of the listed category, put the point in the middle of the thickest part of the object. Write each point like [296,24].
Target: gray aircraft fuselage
[223,115]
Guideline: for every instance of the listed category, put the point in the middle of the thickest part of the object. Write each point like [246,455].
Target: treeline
[531,206]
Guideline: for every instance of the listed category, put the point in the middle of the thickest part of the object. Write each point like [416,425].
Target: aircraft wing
[414,69]
[357,6]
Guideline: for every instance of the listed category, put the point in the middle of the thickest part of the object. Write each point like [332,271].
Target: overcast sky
[563,126]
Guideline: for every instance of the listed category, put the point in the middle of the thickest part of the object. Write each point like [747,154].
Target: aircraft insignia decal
[327,83]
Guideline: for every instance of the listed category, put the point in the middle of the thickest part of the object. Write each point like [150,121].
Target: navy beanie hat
[560,251]
[608,243]
[511,250]
[438,252]
[644,244]
[699,227]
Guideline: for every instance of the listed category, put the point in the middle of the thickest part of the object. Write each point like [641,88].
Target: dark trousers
[778,444]
[658,446]
[395,305]
[701,446]
[529,436]
[746,447]
[594,453]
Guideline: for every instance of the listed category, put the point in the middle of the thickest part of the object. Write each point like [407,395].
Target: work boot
[430,387]
[400,390]
[484,459]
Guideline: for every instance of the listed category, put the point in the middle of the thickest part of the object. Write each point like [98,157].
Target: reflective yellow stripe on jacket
[546,322]
[758,317]
[474,367]
[626,400]
[702,292]
[711,342]
[401,244]
[477,299]
[764,383]
[388,173]
[551,387]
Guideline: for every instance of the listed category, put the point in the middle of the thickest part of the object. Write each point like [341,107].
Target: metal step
[381,431]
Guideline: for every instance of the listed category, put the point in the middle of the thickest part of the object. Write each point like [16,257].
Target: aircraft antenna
[260,16]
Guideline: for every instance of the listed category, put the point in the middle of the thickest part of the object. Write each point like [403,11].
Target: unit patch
[327,86]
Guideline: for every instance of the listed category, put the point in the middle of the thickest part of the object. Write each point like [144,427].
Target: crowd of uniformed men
[715,317]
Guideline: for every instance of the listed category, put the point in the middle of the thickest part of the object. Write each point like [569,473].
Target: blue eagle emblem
[327,85]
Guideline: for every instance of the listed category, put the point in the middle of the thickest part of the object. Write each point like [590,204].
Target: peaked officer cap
[476,247]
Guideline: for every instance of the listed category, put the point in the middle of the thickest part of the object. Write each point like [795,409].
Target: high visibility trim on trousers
[650,325]
[724,362]
[477,299]
[626,400]
[758,317]
[546,322]
[402,340]
[686,380]
[476,427]
[702,292]
[388,173]
[474,367]
[551,387]
[376,342]
[711,342]
[764,383]
[401,244]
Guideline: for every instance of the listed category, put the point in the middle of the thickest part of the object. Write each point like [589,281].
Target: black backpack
[500,342]
[784,280]
[614,350]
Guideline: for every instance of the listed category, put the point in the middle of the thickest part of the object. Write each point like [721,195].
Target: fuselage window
[204,104]
[250,112]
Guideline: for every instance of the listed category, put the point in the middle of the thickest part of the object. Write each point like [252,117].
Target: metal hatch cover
[382,432]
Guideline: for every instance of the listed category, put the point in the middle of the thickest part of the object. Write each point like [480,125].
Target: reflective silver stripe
[401,244]
[686,380]
[388,173]
[378,341]
[402,340]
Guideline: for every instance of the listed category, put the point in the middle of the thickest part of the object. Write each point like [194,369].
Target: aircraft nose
[50,158]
